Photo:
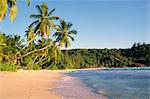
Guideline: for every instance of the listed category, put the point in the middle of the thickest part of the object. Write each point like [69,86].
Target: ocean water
[129,83]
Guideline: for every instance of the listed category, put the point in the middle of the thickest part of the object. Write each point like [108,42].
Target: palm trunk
[41,60]
[25,46]
[31,52]
[35,58]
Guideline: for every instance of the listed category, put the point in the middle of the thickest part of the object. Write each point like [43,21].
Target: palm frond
[57,34]
[71,38]
[58,27]
[35,22]
[37,27]
[54,18]
[73,32]
[39,9]
[69,25]
[67,43]
[51,24]
[63,24]
[28,2]
[36,16]
[50,13]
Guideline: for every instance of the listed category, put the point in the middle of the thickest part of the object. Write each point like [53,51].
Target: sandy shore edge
[25,84]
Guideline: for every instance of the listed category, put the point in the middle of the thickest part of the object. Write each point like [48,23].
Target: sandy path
[27,84]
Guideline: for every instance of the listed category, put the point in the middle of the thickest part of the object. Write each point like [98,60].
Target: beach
[74,84]
[28,84]
[43,84]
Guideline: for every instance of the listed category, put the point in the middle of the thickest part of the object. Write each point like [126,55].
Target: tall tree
[44,23]
[63,33]
[30,35]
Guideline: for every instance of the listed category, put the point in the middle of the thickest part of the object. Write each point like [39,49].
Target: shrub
[36,67]
[8,67]
[53,67]
[33,67]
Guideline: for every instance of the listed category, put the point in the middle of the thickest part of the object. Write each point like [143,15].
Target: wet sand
[70,87]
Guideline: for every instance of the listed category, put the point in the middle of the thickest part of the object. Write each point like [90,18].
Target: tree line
[136,56]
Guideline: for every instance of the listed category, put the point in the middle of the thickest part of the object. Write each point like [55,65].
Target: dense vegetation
[41,49]
[44,38]
[136,56]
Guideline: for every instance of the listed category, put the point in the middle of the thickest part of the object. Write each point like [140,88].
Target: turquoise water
[129,83]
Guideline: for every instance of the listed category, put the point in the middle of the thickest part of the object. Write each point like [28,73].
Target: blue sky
[100,23]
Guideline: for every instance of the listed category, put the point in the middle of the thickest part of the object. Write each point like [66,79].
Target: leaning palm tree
[30,38]
[63,33]
[44,23]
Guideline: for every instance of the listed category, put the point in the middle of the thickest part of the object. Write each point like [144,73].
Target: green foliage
[91,58]
[33,67]
[36,67]
[53,58]
[7,67]
[44,23]
[53,67]
[10,5]
[63,33]
[139,53]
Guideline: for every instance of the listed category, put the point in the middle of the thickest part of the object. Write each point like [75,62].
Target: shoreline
[43,84]
[70,87]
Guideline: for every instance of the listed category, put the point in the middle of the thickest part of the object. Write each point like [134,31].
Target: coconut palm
[63,33]
[55,53]
[44,23]
[12,6]
[30,38]
[30,35]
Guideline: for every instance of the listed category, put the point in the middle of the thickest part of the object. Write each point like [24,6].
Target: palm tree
[9,4]
[63,33]
[12,5]
[30,35]
[30,38]
[44,23]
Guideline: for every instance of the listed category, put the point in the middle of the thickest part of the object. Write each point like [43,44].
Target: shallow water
[73,88]
[130,83]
